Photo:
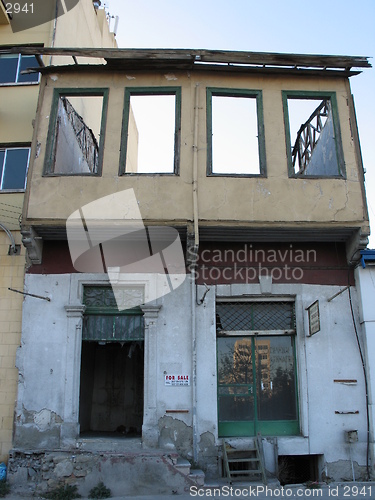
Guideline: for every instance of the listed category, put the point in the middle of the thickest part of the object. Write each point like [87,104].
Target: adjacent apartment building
[250,165]
[83,26]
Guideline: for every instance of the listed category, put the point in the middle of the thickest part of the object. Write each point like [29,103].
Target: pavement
[333,491]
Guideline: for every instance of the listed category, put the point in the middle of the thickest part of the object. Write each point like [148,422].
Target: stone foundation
[37,472]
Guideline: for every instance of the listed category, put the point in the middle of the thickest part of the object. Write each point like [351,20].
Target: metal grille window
[250,316]
[104,322]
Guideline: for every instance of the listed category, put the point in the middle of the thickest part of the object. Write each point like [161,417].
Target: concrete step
[183,466]
[197,476]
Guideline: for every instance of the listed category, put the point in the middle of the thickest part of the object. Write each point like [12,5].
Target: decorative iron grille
[245,316]
[308,136]
[104,297]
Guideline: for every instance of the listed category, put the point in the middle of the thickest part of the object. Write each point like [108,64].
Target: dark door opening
[111,390]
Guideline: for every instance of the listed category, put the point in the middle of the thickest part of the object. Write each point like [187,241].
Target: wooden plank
[200,68]
[202,56]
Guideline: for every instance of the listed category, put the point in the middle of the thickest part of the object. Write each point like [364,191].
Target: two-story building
[252,162]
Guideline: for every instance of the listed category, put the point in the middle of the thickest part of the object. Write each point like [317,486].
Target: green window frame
[150,91]
[245,93]
[49,162]
[318,96]
[103,322]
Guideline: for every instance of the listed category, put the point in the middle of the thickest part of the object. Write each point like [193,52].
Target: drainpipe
[192,276]
[54,30]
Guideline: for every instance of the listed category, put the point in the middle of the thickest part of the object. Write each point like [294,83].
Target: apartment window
[11,67]
[235,133]
[313,137]
[256,364]
[150,141]
[76,133]
[14,162]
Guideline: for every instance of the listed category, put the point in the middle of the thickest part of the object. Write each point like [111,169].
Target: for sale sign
[177,380]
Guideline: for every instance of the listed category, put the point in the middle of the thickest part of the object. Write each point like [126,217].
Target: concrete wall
[366,285]
[270,200]
[49,365]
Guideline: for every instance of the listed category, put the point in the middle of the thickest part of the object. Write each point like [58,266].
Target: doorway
[111,391]
[112,365]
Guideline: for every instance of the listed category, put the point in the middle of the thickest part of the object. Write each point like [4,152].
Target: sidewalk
[338,491]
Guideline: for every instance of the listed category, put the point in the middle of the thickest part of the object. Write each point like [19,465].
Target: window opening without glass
[76,135]
[12,66]
[235,132]
[13,167]
[313,135]
[257,390]
[151,131]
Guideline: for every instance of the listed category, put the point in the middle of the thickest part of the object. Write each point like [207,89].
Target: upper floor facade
[231,140]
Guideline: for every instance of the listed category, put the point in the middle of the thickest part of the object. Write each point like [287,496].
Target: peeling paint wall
[49,364]
[221,199]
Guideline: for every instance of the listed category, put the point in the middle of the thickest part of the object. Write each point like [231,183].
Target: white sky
[337,27]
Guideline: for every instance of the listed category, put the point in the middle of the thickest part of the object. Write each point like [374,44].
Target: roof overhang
[212,60]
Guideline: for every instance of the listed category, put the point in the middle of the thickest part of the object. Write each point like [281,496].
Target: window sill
[4,191]
[19,84]
[136,174]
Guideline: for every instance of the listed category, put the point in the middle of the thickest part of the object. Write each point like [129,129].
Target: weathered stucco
[273,199]
[47,410]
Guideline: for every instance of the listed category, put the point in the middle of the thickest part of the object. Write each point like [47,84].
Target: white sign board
[177,380]
[314,318]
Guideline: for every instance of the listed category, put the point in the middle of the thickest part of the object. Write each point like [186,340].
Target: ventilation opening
[296,469]
[111,393]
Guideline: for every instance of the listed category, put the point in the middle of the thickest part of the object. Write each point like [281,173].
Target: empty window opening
[111,394]
[151,132]
[313,141]
[76,136]
[297,469]
[12,66]
[14,163]
[234,135]
[235,132]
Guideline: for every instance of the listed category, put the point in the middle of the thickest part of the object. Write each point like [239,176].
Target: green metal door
[257,383]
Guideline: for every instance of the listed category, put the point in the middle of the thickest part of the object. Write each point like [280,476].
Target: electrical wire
[364,374]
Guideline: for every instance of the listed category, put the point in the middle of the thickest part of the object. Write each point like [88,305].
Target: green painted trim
[270,428]
[129,91]
[111,311]
[227,92]
[286,94]
[51,137]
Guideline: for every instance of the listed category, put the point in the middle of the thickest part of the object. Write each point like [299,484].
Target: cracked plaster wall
[274,198]
[45,409]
